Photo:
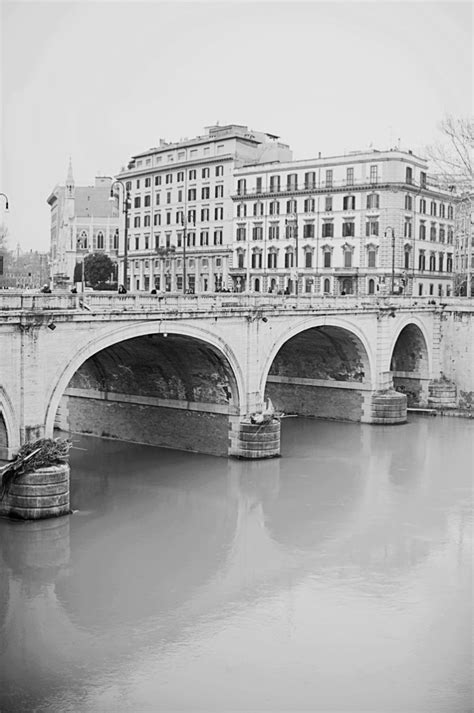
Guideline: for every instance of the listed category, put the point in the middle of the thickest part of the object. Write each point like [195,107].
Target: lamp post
[184,223]
[126,206]
[293,218]
[6,200]
[392,290]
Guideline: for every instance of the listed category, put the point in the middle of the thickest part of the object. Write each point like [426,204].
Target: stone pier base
[253,440]
[442,394]
[385,407]
[38,495]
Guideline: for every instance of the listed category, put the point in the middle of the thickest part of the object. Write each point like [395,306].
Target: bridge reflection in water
[334,578]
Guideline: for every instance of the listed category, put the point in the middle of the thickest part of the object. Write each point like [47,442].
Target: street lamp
[184,223]
[126,206]
[6,200]
[293,218]
[392,291]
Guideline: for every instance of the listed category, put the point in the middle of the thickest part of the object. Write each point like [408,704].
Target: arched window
[371,287]
[256,285]
[432,262]
[82,241]
[327,286]
[406,263]
[100,240]
[116,239]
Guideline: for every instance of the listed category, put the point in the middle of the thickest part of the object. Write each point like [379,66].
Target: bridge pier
[254,440]
[386,407]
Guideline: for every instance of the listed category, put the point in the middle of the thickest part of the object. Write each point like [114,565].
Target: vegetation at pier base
[42,453]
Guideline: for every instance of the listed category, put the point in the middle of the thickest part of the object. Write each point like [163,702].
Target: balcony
[327,187]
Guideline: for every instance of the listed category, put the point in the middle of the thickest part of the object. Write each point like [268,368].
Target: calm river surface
[336,578]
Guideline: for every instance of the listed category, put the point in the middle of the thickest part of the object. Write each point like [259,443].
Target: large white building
[363,223]
[180,221]
[83,220]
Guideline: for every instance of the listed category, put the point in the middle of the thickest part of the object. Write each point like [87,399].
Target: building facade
[24,270]
[363,223]
[464,244]
[180,219]
[83,221]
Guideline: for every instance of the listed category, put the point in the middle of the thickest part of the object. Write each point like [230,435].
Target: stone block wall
[319,401]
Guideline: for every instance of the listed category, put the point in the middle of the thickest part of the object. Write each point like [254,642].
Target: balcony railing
[326,186]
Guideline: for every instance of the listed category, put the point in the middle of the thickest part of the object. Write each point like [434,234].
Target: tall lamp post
[392,290]
[293,220]
[6,200]
[184,222]
[126,206]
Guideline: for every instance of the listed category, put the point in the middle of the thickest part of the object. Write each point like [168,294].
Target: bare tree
[3,238]
[451,158]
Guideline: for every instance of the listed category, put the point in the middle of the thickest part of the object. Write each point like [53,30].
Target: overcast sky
[100,81]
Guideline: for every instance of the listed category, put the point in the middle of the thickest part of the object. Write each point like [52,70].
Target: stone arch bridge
[186,372]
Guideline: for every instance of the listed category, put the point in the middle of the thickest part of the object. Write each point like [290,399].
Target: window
[372,227]
[407,229]
[420,290]
[347,258]
[241,187]
[422,232]
[219,170]
[291,231]
[205,173]
[440,262]
[373,174]
[274,184]
[373,201]
[219,191]
[274,208]
[422,205]
[328,230]
[191,194]
[168,196]
[128,186]
[408,203]
[348,229]
[258,208]
[168,218]
[310,180]
[157,199]
[241,233]
[192,174]
[291,206]
[421,260]
[137,202]
[292,182]
[147,182]
[258,184]
[138,183]
[274,231]
[217,238]
[116,239]
[289,258]
[257,260]
[442,234]
[147,246]
[449,263]
[240,259]
[241,210]
[371,258]
[180,176]
[146,221]
[327,283]
[432,262]
[219,213]
[204,238]
[442,210]
[329,177]
[309,205]
[257,232]
[169,178]
[136,221]
[327,260]
[137,247]
[308,230]
[204,215]
[371,287]
[147,201]
[157,219]
[349,176]
[328,203]
[308,259]
[433,232]
[422,179]
[272,259]
[100,240]
[191,240]
[433,208]
[348,203]
[450,236]
[408,175]
[406,261]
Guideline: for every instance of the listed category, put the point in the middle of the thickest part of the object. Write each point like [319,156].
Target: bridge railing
[171,302]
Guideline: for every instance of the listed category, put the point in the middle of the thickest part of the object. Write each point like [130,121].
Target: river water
[335,578]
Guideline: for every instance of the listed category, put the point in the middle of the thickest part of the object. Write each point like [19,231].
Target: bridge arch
[306,324]
[411,360]
[322,367]
[9,426]
[215,347]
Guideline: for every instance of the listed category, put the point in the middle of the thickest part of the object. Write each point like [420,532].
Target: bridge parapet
[164,302]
